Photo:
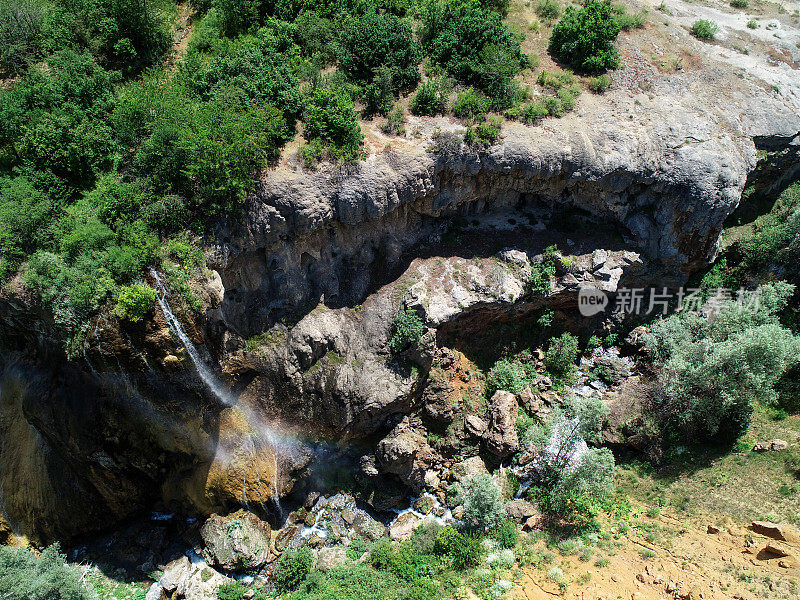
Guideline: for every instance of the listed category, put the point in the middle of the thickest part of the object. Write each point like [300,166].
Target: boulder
[237,542]
[404,526]
[770,445]
[329,558]
[184,579]
[284,538]
[776,531]
[475,425]
[406,453]
[778,549]
[469,467]
[522,510]
[501,435]
[424,504]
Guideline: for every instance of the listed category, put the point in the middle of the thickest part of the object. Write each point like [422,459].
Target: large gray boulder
[237,542]
[501,436]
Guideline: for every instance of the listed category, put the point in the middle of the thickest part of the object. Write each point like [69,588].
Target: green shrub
[505,375]
[505,534]
[533,113]
[21,23]
[26,218]
[549,10]
[483,506]
[395,122]
[24,577]
[407,329]
[599,84]
[231,591]
[471,105]
[237,16]
[293,567]
[561,354]
[584,37]
[135,301]
[402,560]
[465,550]
[430,98]
[372,41]
[488,132]
[128,34]
[752,24]
[627,21]
[474,45]
[262,76]
[704,29]
[331,118]
[740,3]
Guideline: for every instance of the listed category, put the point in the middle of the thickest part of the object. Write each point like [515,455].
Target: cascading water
[216,386]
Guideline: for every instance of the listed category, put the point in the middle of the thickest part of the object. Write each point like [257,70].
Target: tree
[473,45]
[561,354]
[483,506]
[373,41]
[715,369]
[331,118]
[584,37]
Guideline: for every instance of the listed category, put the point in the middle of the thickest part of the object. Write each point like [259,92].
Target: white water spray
[216,386]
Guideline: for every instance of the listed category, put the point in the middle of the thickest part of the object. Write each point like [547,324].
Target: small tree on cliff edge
[584,37]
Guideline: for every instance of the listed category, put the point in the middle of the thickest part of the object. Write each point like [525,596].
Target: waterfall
[216,386]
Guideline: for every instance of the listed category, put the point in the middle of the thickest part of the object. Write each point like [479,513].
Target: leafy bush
[465,550]
[430,98]
[25,223]
[293,567]
[752,24]
[488,132]
[21,23]
[483,506]
[561,354]
[135,301]
[740,3]
[407,329]
[570,478]
[231,591]
[331,118]
[471,105]
[715,369]
[599,84]
[549,10]
[704,29]
[584,37]
[505,375]
[127,34]
[24,577]
[505,534]
[474,46]
[372,41]
[627,21]
[260,75]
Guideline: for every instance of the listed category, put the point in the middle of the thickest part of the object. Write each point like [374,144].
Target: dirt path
[687,561]
[184,26]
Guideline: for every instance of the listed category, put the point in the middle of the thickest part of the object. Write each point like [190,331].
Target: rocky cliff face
[633,188]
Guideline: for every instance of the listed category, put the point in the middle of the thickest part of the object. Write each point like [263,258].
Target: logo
[591,301]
